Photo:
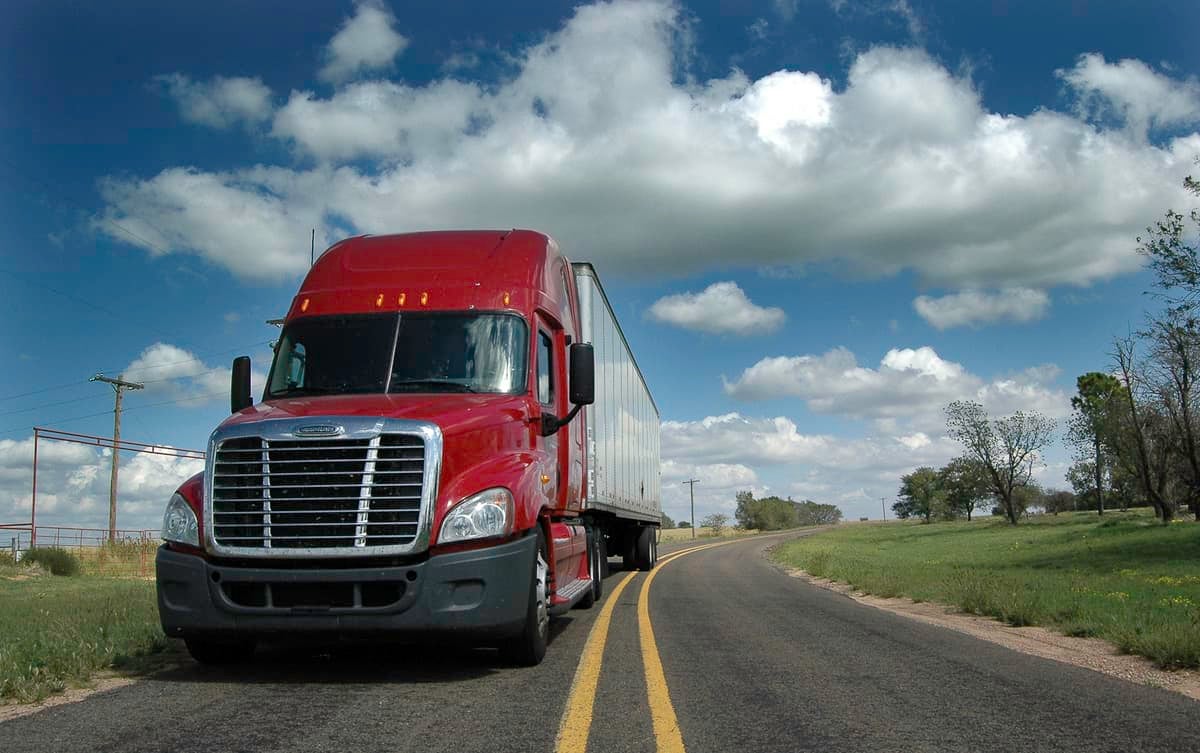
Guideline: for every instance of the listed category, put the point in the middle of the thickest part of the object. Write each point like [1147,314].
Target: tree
[765,514]
[1143,431]
[1175,355]
[716,522]
[1175,262]
[1007,447]
[1095,405]
[1029,496]
[965,486]
[809,513]
[666,521]
[919,494]
[1058,500]
[684,524]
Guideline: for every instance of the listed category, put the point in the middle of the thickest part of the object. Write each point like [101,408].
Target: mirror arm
[552,423]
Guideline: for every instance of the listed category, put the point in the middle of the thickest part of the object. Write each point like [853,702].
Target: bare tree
[1143,428]
[1175,360]
[1007,447]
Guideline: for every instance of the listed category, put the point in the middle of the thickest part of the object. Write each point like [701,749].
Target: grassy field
[55,632]
[1126,579]
[685,534]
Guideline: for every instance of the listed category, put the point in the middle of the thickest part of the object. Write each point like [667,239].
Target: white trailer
[623,486]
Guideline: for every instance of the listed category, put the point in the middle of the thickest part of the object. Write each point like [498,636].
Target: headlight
[179,522]
[480,516]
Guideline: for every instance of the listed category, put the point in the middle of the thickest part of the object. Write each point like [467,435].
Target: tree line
[775,514]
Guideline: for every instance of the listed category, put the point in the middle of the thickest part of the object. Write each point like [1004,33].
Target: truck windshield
[397,353]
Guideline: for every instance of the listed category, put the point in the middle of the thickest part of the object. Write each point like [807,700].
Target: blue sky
[818,221]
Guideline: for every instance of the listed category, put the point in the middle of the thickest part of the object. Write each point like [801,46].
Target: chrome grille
[318,493]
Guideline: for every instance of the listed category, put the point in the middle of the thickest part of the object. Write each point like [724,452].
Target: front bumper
[478,594]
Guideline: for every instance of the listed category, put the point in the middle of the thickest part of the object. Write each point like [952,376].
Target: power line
[177,401]
[44,389]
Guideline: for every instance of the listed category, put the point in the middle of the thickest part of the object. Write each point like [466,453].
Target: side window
[545,366]
[295,366]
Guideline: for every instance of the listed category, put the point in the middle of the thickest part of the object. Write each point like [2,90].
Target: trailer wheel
[217,653]
[646,553]
[527,648]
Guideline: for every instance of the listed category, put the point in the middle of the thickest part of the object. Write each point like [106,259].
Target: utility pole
[883,506]
[118,385]
[692,493]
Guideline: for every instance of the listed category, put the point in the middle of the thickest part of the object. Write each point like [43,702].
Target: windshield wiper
[296,391]
[435,385]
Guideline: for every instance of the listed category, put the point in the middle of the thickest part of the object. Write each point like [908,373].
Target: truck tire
[646,553]
[216,653]
[595,543]
[527,648]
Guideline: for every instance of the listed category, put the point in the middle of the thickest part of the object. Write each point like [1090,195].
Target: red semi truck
[453,438]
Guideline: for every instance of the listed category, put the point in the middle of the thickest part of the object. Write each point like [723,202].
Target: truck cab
[417,464]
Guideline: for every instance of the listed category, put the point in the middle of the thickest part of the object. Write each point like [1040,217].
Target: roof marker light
[400,300]
[304,305]
[424,298]
[506,299]
[379,300]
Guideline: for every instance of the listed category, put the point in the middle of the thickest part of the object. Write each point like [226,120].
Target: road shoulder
[1089,653]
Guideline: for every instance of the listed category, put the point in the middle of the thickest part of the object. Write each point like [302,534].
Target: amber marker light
[506,299]
[424,298]
[400,300]
[304,305]
[379,300]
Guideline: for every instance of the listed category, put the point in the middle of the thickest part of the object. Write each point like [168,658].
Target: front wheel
[528,647]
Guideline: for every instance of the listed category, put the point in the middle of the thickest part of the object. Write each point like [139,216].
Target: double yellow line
[577,717]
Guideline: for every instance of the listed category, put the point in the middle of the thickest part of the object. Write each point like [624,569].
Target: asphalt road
[753,660]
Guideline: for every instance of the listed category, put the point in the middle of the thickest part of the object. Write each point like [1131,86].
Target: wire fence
[130,554]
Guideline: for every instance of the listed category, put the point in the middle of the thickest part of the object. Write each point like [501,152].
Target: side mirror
[239,385]
[583,374]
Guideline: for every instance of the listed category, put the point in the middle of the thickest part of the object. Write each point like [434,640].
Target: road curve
[753,660]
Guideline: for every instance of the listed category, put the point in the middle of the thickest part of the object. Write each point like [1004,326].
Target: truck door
[550,395]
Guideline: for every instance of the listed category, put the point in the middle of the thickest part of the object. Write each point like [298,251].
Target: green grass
[57,632]
[1127,579]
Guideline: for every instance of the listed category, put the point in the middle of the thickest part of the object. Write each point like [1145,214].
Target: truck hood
[453,413]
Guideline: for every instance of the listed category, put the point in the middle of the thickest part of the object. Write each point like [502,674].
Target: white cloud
[1133,91]
[974,307]
[366,42]
[221,102]
[73,484]
[379,119]
[170,370]
[912,384]
[722,308]
[234,220]
[604,138]
[901,9]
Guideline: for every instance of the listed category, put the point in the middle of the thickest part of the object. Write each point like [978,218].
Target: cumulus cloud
[169,369]
[236,220]
[1141,97]
[379,118]
[73,484]
[722,308]
[970,308]
[914,384]
[755,442]
[603,137]
[366,42]
[221,102]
